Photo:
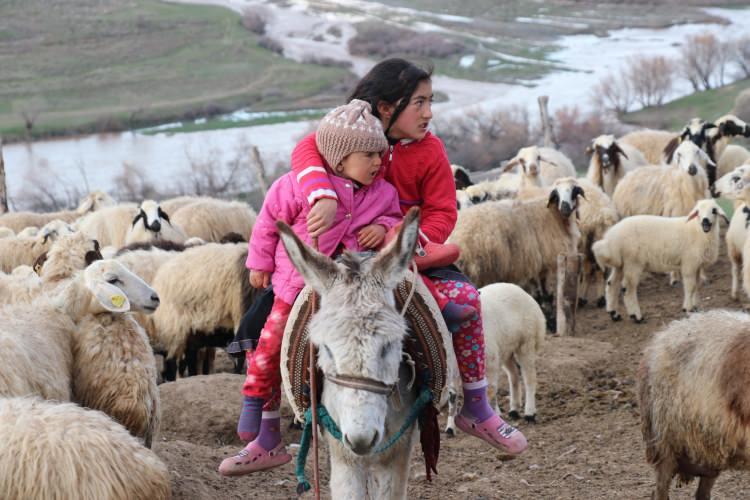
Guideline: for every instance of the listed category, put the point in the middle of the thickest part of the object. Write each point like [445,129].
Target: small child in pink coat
[352,141]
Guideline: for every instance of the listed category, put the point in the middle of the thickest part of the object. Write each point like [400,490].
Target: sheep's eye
[113,280]
[714,211]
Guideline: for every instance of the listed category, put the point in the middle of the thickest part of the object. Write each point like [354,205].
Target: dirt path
[587,444]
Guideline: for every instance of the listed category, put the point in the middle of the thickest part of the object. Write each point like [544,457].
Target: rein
[362,384]
[325,419]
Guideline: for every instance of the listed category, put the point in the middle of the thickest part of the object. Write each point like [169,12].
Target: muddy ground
[586,444]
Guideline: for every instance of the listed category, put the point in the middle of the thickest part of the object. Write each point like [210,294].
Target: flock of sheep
[88,296]
[646,205]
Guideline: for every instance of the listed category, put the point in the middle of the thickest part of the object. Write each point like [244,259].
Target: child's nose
[427,111]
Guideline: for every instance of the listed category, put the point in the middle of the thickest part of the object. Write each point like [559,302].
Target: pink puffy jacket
[357,208]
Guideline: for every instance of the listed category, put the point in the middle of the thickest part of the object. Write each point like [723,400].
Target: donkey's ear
[393,261]
[317,270]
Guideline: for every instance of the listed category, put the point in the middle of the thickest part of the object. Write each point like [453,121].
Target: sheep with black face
[610,161]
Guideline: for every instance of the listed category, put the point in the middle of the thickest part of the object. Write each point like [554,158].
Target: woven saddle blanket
[428,344]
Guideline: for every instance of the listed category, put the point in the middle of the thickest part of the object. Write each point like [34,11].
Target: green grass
[83,64]
[709,105]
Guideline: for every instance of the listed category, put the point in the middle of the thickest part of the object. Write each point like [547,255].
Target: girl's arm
[438,193]
[310,172]
[280,204]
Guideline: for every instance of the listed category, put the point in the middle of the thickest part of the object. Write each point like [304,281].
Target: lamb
[461,177]
[17,221]
[736,186]
[24,251]
[53,450]
[518,242]
[514,332]
[540,166]
[668,190]
[118,225]
[211,219]
[732,157]
[694,399]
[610,161]
[658,244]
[204,292]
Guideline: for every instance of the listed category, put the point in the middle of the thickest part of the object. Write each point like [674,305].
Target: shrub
[383,40]
[254,20]
[270,44]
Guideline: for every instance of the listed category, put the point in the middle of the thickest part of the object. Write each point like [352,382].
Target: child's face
[413,121]
[361,167]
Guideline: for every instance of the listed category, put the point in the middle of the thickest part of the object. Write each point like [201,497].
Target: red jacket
[419,170]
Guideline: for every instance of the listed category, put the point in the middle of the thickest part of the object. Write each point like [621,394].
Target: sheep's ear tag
[111,298]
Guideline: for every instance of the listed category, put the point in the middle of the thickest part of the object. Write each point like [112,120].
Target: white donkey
[359,333]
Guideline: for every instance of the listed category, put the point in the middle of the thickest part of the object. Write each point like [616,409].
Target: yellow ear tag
[117,300]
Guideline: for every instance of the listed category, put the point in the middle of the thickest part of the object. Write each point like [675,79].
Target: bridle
[362,384]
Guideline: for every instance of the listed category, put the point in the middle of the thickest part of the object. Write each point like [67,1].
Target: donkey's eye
[386,350]
[327,351]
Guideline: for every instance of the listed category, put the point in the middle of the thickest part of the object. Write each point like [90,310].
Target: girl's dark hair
[390,81]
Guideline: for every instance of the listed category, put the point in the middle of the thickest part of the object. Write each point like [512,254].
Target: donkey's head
[358,330]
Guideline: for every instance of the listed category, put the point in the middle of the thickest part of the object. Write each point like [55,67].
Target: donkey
[359,333]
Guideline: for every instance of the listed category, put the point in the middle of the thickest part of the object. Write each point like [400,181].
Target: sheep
[694,401]
[514,332]
[610,161]
[172,205]
[668,190]
[540,166]
[114,369]
[658,244]
[732,157]
[17,221]
[118,225]
[6,232]
[22,285]
[60,450]
[596,214]
[736,186]
[489,190]
[650,143]
[461,177]
[70,253]
[211,219]
[204,293]
[24,251]
[726,127]
[518,242]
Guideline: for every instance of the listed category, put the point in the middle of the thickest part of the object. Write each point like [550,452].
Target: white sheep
[212,219]
[17,221]
[736,186]
[693,399]
[668,190]
[203,290]
[172,205]
[24,251]
[732,157]
[488,190]
[6,232]
[518,242]
[649,243]
[54,450]
[649,142]
[514,332]
[610,161]
[28,232]
[128,223]
[540,166]
[22,285]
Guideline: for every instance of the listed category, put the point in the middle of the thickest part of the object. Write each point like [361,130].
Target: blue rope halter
[325,419]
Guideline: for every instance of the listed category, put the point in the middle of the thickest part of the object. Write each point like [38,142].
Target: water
[165,158]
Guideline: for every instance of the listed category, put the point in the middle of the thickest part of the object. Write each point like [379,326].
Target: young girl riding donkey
[351,140]
[416,163]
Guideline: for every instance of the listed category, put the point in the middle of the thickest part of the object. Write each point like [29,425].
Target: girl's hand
[321,216]
[259,279]
[371,236]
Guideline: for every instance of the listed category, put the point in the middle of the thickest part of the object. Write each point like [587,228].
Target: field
[101,65]
[85,66]
[586,444]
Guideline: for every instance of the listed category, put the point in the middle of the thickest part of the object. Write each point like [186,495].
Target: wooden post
[567,292]
[550,141]
[3,187]
[260,171]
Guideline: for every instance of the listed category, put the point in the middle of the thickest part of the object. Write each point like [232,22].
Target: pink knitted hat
[348,129]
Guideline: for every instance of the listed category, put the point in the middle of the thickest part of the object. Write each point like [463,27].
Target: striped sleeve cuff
[321,193]
[315,184]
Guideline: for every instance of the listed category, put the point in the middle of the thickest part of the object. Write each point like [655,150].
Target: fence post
[260,171]
[550,141]
[568,267]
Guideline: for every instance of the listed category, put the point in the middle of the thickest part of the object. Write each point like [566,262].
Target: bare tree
[576,129]
[650,79]
[742,55]
[700,59]
[132,184]
[613,92]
